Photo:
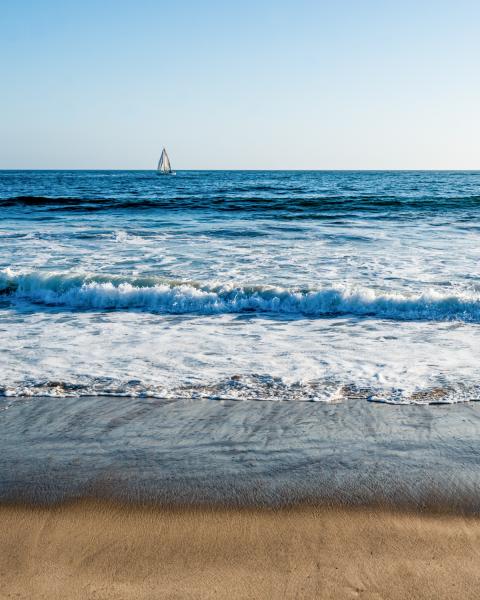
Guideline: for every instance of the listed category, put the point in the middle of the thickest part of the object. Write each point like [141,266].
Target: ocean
[240,337]
[260,285]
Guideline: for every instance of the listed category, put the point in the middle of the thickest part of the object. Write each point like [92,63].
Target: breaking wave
[91,292]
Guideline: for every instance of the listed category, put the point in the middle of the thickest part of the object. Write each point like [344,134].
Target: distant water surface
[259,285]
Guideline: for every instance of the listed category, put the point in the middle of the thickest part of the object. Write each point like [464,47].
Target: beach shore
[104,550]
[237,500]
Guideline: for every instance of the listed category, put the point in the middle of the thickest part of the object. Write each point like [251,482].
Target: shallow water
[241,285]
[239,453]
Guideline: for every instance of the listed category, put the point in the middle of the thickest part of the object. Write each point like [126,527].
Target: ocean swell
[90,292]
[279,200]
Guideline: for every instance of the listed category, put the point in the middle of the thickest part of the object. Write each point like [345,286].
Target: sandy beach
[354,500]
[109,551]
[239,301]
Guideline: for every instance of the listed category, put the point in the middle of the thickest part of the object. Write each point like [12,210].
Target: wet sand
[265,500]
[109,551]
[239,454]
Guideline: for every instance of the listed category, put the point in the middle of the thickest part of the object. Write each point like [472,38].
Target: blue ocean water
[265,285]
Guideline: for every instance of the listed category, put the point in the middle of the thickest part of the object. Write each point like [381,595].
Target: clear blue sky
[244,84]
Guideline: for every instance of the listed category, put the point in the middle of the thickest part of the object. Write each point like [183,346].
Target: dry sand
[92,550]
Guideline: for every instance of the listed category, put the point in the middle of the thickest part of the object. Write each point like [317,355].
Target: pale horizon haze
[250,85]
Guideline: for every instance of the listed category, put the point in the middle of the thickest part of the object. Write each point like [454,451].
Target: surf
[76,291]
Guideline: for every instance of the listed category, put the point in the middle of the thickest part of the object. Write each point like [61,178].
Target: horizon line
[259,170]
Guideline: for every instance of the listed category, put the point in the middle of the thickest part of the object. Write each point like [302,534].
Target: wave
[261,199]
[253,387]
[62,203]
[150,294]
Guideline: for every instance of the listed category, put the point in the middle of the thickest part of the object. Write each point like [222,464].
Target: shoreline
[233,454]
[428,509]
[107,550]
[119,499]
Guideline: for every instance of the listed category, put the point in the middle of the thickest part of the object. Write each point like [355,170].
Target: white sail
[164,163]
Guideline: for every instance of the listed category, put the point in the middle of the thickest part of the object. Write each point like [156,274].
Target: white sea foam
[221,356]
[161,302]
[86,292]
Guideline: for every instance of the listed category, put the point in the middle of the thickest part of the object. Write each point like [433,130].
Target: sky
[264,84]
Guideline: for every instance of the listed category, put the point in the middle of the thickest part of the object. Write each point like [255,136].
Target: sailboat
[164,166]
